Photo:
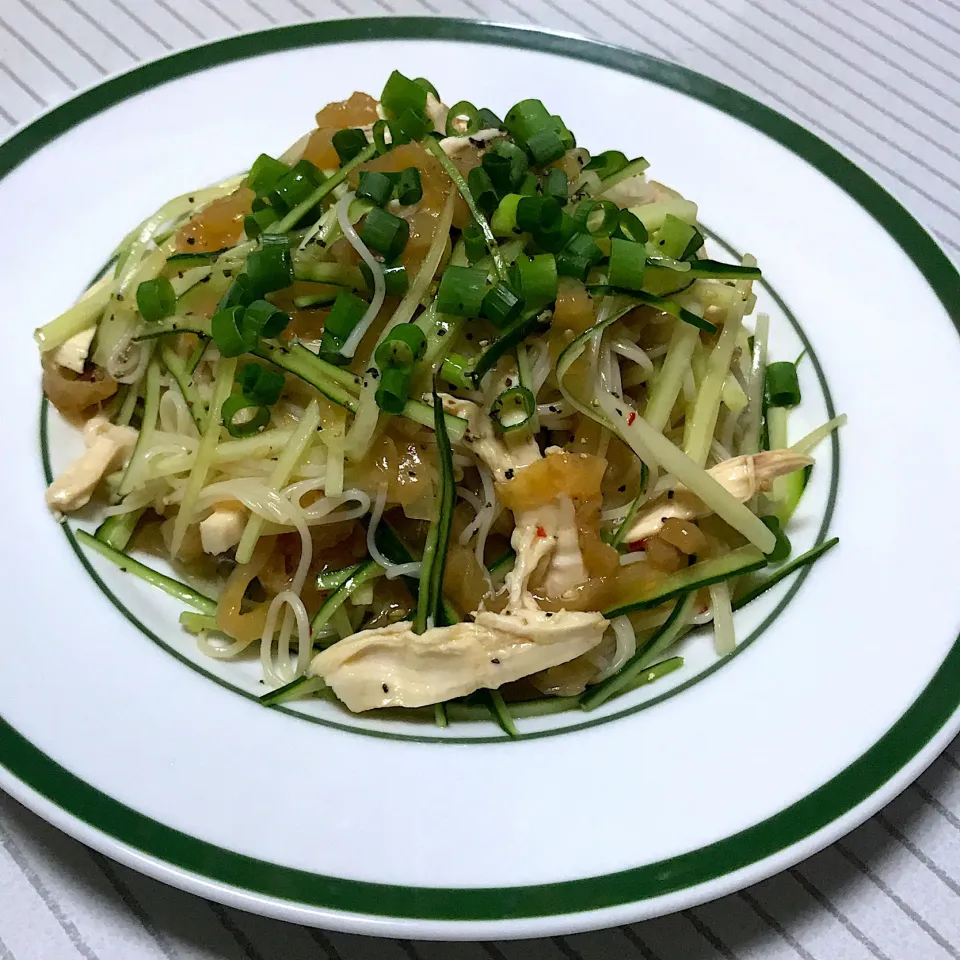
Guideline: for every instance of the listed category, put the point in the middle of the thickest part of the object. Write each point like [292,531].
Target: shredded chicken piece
[72,353]
[394,667]
[742,476]
[222,530]
[108,448]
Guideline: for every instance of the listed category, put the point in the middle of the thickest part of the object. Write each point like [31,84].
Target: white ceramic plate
[714,779]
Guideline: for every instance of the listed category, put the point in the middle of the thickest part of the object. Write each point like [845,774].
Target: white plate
[712,780]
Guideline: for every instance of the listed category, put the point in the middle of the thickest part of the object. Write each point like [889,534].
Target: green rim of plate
[921,722]
[795,583]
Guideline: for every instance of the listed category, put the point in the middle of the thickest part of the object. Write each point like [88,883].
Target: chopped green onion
[578,256]
[409,187]
[255,223]
[461,291]
[464,111]
[608,163]
[503,223]
[535,213]
[474,244]
[454,371]
[265,174]
[240,294]
[630,227]
[270,268]
[348,310]
[156,299]
[489,120]
[296,185]
[673,238]
[781,386]
[783,547]
[379,133]
[545,146]
[263,319]
[628,260]
[554,238]
[409,126]
[348,143]
[483,190]
[529,185]
[385,233]
[556,184]
[395,278]
[506,165]
[513,409]
[400,93]
[374,186]
[261,384]
[393,389]
[598,217]
[535,279]
[501,306]
[234,405]
[527,117]
[427,85]
[230,334]
[401,347]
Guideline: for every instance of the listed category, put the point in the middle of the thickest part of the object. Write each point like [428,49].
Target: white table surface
[880,79]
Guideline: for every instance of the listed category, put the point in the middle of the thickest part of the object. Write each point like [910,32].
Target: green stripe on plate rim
[424,725]
[919,724]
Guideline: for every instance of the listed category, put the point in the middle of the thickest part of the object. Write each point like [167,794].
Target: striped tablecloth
[880,79]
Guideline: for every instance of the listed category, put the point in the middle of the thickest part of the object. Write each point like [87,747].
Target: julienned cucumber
[156,579]
[117,530]
[742,560]
[786,570]
[363,573]
[294,690]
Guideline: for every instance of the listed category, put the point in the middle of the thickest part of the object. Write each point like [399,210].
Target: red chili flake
[631,418]
[637,545]
[541,532]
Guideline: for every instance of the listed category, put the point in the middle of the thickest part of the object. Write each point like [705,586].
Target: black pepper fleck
[508,474]
[191,240]
[670,494]
[622,489]
[119,298]
[495,660]
[386,689]
[179,274]
[549,614]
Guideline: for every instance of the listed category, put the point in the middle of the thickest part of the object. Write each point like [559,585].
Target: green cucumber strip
[804,560]
[167,584]
[665,636]
[328,379]
[794,485]
[501,714]
[117,530]
[638,500]
[440,715]
[196,622]
[397,550]
[742,560]
[175,324]
[715,270]
[430,606]
[365,572]
[294,690]
[177,367]
[332,579]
